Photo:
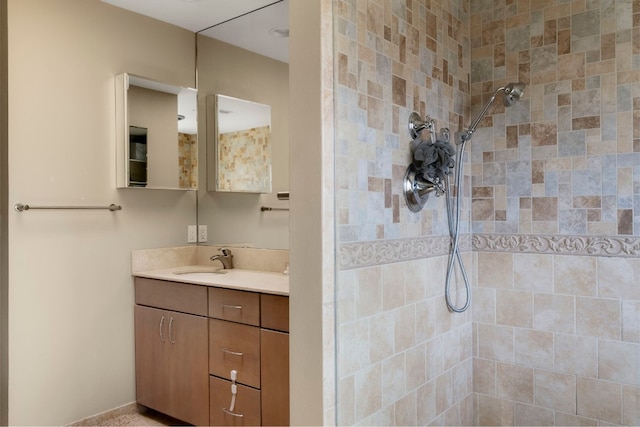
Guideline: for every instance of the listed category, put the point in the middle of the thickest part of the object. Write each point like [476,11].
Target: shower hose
[454,232]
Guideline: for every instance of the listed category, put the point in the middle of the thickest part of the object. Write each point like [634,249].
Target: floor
[130,416]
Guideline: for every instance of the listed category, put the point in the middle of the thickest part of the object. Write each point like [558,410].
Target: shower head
[512,93]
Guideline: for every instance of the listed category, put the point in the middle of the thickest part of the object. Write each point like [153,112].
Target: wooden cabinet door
[274,358]
[152,358]
[188,366]
[172,374]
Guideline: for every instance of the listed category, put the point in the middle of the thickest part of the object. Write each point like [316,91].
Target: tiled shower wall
[556,213]
[563,160]
[403,359]
[556,339]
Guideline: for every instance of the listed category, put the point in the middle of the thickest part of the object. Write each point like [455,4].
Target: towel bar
[20,207]
[267,208]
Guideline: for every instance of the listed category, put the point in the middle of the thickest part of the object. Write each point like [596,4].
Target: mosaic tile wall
[393,58]
[566,158]
[246,156]
[403,359]
[188,160]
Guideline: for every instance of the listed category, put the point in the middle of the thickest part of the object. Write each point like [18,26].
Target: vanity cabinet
[171,349]
[248,334]
[190,337]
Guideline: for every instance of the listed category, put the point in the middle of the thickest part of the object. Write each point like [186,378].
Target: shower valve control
[432,161]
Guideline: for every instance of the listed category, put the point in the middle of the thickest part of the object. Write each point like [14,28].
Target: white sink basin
[201,275]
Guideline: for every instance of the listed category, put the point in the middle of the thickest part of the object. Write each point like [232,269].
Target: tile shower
[551,213]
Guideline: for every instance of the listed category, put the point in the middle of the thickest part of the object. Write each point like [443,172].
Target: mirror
[236,218]
[156,132]
[239,160]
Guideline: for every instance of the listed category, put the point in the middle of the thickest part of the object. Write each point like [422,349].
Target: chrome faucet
[226,258]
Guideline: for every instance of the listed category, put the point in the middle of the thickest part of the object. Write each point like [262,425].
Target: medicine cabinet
[156,134]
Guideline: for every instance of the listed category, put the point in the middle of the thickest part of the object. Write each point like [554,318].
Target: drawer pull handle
[161,335]
[235,307]
[171,340]
[233,414]
[235,353]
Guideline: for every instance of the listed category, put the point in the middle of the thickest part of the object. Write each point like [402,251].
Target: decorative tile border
[558,245]
[366,254]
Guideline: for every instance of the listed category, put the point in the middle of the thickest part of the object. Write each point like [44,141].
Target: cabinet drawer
[171,296]
[274,312]
[236,306]
[246,411]
[234,346]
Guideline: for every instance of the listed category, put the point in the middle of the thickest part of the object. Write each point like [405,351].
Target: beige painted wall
[312,253]
[70,291]
[236,217]
[3,218]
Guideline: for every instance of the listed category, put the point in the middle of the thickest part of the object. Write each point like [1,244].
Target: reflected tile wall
[246,159]
[187,160]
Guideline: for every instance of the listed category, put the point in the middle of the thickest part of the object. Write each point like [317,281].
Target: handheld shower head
[512,93]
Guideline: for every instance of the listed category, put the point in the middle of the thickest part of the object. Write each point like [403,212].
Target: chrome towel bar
[267,208]
[20,207]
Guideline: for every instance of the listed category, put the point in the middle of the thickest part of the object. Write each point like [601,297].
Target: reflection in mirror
[236,218]
[242,145]
[156,134]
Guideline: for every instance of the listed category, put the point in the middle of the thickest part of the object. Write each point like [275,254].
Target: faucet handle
[225,251]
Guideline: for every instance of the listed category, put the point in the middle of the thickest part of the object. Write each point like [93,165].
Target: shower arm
[466,135]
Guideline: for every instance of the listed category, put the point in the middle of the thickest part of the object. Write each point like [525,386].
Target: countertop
[245,280]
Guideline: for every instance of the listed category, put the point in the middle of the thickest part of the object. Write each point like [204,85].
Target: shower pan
[433,160]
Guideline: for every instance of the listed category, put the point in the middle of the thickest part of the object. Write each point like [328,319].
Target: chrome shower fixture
[512,93]
[417,125]
[432,160]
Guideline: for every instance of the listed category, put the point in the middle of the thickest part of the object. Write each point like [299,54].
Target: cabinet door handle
[233,414]
[171,340]
[161,334]
[235,307]
[235,353]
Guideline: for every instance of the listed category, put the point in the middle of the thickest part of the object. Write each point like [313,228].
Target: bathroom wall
[402,357]
[312,253]
[236,217]
[556,213]
[4,380]
[71,300]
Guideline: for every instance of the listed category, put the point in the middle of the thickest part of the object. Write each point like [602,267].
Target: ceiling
[244,23]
